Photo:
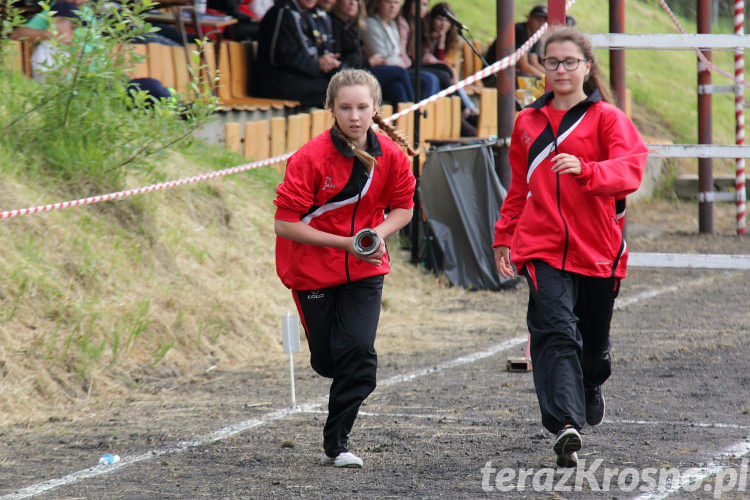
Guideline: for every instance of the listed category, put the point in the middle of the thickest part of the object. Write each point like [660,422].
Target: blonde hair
[351,77]
[559,34]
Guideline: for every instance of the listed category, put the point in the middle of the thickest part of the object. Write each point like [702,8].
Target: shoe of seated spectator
[471,116]
[345,459]
[567,443]
[594,405]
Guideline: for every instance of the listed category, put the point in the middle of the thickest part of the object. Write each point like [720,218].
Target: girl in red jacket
[574,157]
[339,183]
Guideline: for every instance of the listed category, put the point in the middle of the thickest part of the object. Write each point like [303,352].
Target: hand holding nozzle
[366,242]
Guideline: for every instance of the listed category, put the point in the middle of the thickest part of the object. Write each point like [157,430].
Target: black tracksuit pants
[340,324]
[568,317]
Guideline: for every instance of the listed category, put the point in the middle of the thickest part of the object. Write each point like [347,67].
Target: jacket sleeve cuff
[586,171]
[287,215]
[502,239]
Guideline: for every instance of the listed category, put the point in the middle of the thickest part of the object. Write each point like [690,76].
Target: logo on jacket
[328,183]
[315,294]
[526,137]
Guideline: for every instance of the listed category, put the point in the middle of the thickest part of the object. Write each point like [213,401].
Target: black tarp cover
[461,197]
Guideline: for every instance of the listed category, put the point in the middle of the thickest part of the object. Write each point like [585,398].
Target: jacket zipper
[351,230]
[562,217]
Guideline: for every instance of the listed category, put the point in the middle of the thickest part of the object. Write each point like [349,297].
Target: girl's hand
[376,60]
[502,262]
[375,258]
[564,163]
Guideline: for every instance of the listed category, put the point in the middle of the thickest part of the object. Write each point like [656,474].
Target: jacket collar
[591,98]
[373,144]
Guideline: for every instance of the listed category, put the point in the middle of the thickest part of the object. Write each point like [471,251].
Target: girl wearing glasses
[574,158]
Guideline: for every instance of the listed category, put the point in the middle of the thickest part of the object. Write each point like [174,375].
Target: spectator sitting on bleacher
[38,28]
[381,36]
[530,65]
[348,17]
[443,47]
[289,65]
[166,34]
[322,24]
[43,57]
[406,28]
[248,21]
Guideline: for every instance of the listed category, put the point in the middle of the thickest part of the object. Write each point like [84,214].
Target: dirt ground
[443,420]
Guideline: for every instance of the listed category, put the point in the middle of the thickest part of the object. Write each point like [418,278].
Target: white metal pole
[290,337]
[291,372]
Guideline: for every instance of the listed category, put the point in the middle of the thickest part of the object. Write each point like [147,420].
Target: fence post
[705,165]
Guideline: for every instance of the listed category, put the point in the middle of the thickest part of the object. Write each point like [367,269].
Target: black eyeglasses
[569,63]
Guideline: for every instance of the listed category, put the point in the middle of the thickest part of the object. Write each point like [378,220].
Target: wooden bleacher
[262,139]
[235,71]
[19,52]
[470,65]
[169,65]
[265,139]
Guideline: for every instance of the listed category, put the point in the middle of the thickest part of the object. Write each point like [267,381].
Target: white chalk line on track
[689,260]
[234,429]
[240,427]
[698,474]
[621,303]
[438,416]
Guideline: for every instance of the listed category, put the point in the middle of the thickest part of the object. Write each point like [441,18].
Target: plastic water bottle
[108,459]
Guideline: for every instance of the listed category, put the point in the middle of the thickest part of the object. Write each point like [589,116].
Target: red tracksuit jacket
[326,187]
[571,222]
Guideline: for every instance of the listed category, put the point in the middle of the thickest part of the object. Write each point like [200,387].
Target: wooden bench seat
[235,68]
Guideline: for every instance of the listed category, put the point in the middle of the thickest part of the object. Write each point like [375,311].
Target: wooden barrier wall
[264,139]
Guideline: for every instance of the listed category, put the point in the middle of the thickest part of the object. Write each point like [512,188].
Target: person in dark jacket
[574,158]
[530,64]
[322,23]
[339,183]
[247,26]
[289,64]
[348,19]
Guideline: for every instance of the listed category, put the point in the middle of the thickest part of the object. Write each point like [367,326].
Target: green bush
[80,122]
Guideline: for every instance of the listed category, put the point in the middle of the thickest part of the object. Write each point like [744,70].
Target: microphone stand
[417,214]
[470,42]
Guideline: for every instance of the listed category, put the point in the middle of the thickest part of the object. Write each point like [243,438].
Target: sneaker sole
[349,465]
[604,410]
[567,461]
[565,448]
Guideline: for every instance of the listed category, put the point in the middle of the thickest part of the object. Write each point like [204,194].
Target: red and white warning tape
[700,55]
[146,189]
[504,63]
[739,112]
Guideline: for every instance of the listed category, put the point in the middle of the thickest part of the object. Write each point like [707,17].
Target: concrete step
[686,185]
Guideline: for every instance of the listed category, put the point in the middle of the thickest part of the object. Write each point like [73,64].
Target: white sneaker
[345,459]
